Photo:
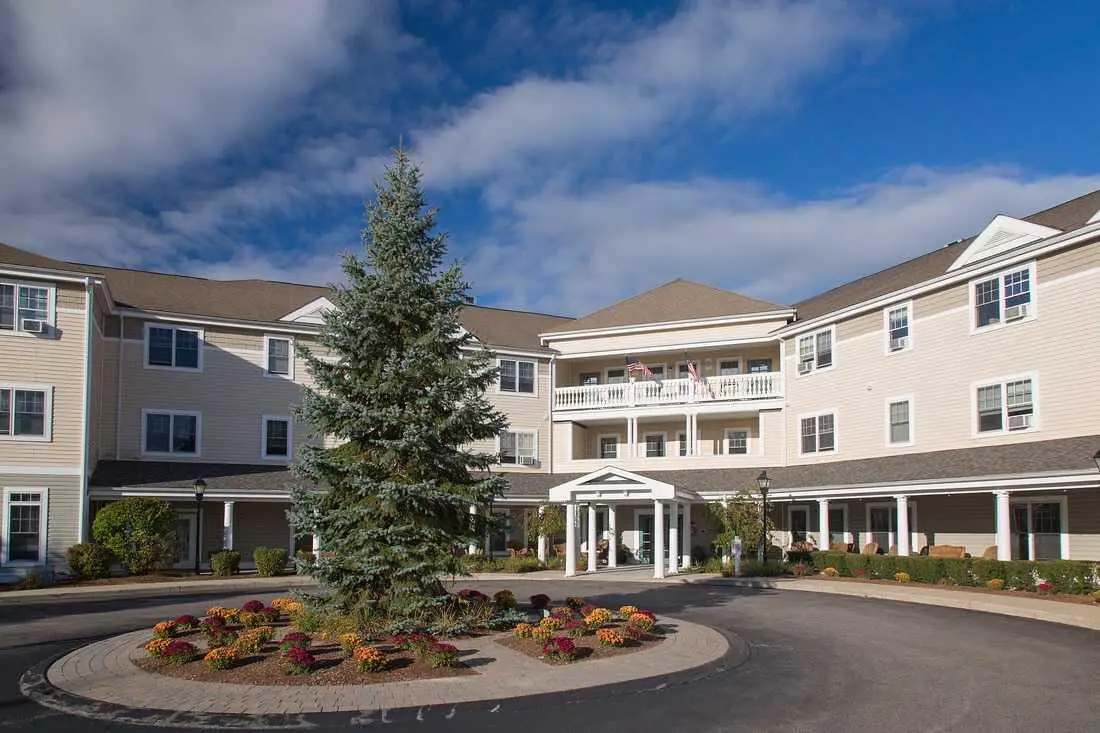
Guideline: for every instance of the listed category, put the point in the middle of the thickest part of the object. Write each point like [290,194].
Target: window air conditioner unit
[31,325]
[1019,422]
[1016,312]
[528,461]
[805,367]
[899,343]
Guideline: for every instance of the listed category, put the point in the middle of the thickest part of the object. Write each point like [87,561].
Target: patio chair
[871,548]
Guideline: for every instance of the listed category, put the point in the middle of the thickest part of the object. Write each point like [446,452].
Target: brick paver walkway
[105,671]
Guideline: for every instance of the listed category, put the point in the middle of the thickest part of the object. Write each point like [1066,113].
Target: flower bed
[586,633]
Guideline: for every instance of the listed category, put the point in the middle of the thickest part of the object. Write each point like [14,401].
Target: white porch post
[685,540]
[613,543]
[823,540]
[1004,525]
[227,525]
[592,538]
[544,541]
[658,539]
[631,437]
[903,525]
[472,548]
[316,547]
[693,449]
[689,436]
[673,539]
[570,540]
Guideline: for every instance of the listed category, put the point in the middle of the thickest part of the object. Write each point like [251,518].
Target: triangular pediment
[1095,218]
[1002,235]
[312,312]
[610,478]
[613,484]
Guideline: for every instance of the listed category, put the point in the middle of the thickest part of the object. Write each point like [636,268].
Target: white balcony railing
[734,388]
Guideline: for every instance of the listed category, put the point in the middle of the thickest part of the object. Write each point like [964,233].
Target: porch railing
[732,388]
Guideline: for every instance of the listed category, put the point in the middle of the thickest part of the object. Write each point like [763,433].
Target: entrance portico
[612,488]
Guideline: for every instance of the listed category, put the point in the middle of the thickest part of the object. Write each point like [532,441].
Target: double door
[1037,531]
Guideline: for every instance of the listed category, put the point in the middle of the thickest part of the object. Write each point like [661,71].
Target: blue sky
[579,152]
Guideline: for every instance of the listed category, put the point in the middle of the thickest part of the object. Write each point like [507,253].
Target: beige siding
[966,520]
[946,363]
[63,507]
[526,412]
[259,524]
[672,338]
[1084,524]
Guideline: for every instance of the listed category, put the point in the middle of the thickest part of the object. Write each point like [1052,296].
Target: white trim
[608,370]
[534,433]
[200,333]
[305,314]
[726,441]
[268,338]
[45,273]
[194,321]
[847,530]
[51,309]
[817,431]
[109,493]
[264,420]
[679,348]
[1021,232]
[814,368]
[1001,382]
[999,275]
[47,412]
[1060,499]
[516,392]
[90,326]
[664,443]
[886,341]
[912,432]
[623,486]
[70,311]
[666,325]
[892,534]
[618,445]
[791,509]
[145,412]
[718,364]
[43,524]
[14,470]
[682,444]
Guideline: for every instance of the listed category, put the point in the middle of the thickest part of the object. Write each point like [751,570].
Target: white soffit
[310,312]
[1002,235]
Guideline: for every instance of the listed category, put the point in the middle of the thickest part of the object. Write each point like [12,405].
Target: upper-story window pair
[815,350]
[1004,298]
[25,412]
[25,308]
[517,375]
[173,347]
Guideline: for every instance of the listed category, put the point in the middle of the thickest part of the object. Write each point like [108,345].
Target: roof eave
[668,325]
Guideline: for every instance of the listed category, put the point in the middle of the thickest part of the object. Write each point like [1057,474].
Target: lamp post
[763,483]
[200,488]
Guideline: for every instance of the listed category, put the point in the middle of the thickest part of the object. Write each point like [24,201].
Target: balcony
[731,388]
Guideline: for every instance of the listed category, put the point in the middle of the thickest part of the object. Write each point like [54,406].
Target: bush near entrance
[139,531]
[88,561]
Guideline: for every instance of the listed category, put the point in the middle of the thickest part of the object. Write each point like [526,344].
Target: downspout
[118,383]
[550,408]
[89,315]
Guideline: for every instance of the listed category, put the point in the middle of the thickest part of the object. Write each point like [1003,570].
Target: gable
[312,312]
[1003,234]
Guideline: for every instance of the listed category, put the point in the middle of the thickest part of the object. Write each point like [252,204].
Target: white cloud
[592,246]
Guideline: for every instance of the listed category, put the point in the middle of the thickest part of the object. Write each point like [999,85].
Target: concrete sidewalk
[235,584]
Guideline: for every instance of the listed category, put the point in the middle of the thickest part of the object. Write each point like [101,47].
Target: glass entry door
[800,524]
[1037,531]
[838,526]
[882,526]
[185,539]
[645,536]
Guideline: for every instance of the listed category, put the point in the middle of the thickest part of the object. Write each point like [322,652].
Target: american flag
[693,370]
[633,366]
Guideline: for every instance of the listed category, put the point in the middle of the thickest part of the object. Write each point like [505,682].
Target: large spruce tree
[402,387]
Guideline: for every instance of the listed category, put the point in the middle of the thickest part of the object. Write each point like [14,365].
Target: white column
[823,540]
[903,525]
[673,539]
[658,539]
[472,548]
[685,541]
[694,448]
[613,543]
[316,547]
[689,436]
[544,541]
[592,538]
[1004,525]
[570,540]
[631,437]
[227,525]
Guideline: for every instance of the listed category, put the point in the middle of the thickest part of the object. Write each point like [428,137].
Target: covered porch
[605,499]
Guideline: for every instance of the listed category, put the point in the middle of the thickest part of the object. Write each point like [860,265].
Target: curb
[145,590]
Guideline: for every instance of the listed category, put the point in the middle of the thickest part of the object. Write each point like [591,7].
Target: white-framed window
[24,305]
[657,370]
[729,367]
[899,421]
[896,320]
[609,447]
[818,433]
[1038,527]
[517,376]
[1007,405]
[815,350]
[519,448]
[682,442]
[655,445]
[588,379]
[760,366]
[1004,298]
[24,528]
[173,347]
[615,376]
[737,442]
[276,437]
[279,356]
[26,412]
[171,432]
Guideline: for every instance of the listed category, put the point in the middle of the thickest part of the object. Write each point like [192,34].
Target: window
[815,351]
[171,432]
[277,359]
[276,437]
[589,379]
[24,526]
[737,442]
[729,367]
[517,376]
[1010,405]
[760,366]
[173,348]
[682,440]
[897,328]
[519,448]
[658,371]
[25,412]
[616,376]
[655,445]
[1003,298]
[609,447]
[819,433]
[898,415]
[24,302]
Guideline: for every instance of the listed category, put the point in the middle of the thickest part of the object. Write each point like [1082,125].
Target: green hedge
[1065,576]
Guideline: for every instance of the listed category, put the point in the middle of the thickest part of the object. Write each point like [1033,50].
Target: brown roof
[679,300]
[181,475]
[1066,217]
[21,258]
[502,328]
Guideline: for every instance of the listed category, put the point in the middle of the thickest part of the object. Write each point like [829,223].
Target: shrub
[575,603]
[287,606]
[504,599]
[626,612]
[523,631]
[158,646]
[1068,576]
[1096,596]
[769,569]
[597,618]
[541,633]
[539,601]
[957,571]
[552,623]
[417,641]
[180,652]
[299,660]
[139,531]
[225,563]
[643,621]
[995,584]
[800,569]
[88,561]
[369,659]
[222,657]
[307,620]
[902,577]
[249,643]
[225,614]
[252,606]
[469,594]
[350,642]
[252,620]
[164,629]
[294,640]
[441,655]
[560,649]
[270,561]
[574,628]
[1045,587]
[266,633]
[859,572]
[831,571]
[1020,575]
[220,636]
[610,637]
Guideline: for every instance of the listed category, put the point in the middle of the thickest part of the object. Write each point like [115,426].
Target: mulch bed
[587,646]
[1083,598]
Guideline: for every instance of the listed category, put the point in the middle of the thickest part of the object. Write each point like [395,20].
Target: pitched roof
[679,300]
[502,328]
[1066,216]
[22,258]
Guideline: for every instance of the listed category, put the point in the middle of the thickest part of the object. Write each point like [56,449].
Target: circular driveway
[814,662]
